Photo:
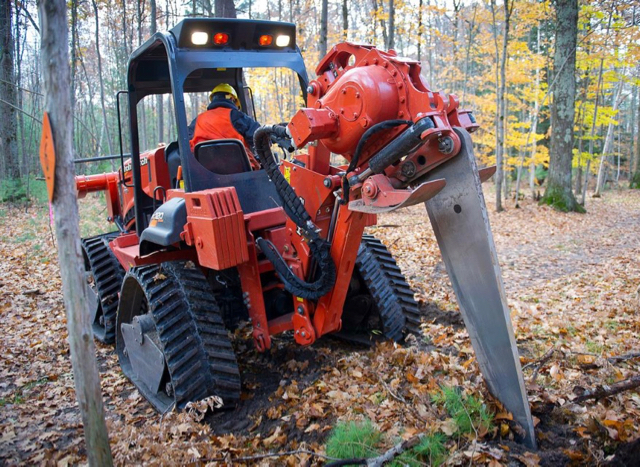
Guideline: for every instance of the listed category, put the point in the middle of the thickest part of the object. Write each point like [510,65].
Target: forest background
[501,61]
[496,57]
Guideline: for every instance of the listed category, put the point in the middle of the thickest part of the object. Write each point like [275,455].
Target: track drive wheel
[104,279]
[171,341]
[379,297]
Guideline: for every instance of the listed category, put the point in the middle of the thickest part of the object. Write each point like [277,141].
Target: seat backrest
[172,156]
[223,156]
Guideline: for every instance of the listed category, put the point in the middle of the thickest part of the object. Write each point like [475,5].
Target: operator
[224,119]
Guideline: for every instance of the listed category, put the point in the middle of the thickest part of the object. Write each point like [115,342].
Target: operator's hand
[284,142]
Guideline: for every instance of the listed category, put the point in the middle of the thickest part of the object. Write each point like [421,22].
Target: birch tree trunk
[608,143]
[635,177]
[55,68]
[559,193]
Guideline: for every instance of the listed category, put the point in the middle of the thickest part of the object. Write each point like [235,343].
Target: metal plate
[146,358]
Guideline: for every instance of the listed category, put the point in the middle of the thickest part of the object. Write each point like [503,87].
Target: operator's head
[225,91]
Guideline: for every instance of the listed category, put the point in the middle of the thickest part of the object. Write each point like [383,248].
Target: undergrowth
[23,191]
[469,413]
[431,451]
[354,440]
[361,440]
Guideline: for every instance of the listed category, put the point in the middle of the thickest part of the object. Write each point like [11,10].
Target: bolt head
[327,182]
[445,145]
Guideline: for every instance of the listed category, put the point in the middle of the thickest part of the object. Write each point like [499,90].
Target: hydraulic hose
[319,247]
[377,128]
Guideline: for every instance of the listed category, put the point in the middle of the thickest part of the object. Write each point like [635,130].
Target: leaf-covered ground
[572,284]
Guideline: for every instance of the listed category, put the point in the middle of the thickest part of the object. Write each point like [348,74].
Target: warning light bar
[237,34]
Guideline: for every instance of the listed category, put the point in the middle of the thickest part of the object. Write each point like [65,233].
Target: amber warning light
[265,40]
[221,38]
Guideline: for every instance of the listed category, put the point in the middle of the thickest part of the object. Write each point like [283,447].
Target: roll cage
[169,62]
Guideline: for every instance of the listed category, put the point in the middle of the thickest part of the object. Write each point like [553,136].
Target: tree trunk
[559,193]
[580,144]
[206,7]
[392,28]
[322,43]
[532,134]
[420,31]
[635,176]
[24,162]
[500,98]
[74,58]
[55,64]
[159,103]
[467,62]
[383,25]
[9,121]
[104,109]
[225,9]
[345,20]
[608,143]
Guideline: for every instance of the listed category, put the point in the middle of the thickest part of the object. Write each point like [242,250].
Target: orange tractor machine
[203,241]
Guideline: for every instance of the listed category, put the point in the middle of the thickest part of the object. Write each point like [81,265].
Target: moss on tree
[561,200]
[635,180]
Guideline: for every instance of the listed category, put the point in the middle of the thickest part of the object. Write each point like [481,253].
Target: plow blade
[459,218]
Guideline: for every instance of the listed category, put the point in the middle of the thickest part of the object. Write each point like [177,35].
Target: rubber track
[392,295]
[196,345]
[107,275]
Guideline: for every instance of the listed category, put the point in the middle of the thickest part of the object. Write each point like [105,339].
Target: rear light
[265,40]
[221,38]
[199,38]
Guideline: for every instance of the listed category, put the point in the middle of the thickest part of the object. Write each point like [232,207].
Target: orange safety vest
[216,124]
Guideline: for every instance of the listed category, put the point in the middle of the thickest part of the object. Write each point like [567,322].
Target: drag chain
[107,276]
[188,329]
[379,281]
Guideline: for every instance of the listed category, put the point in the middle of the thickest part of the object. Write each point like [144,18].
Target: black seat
[172,156]
[223,156]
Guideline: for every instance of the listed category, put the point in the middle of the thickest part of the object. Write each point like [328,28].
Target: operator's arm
[244,125]
[192,128]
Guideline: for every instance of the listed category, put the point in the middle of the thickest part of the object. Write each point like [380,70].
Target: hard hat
[231,93]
